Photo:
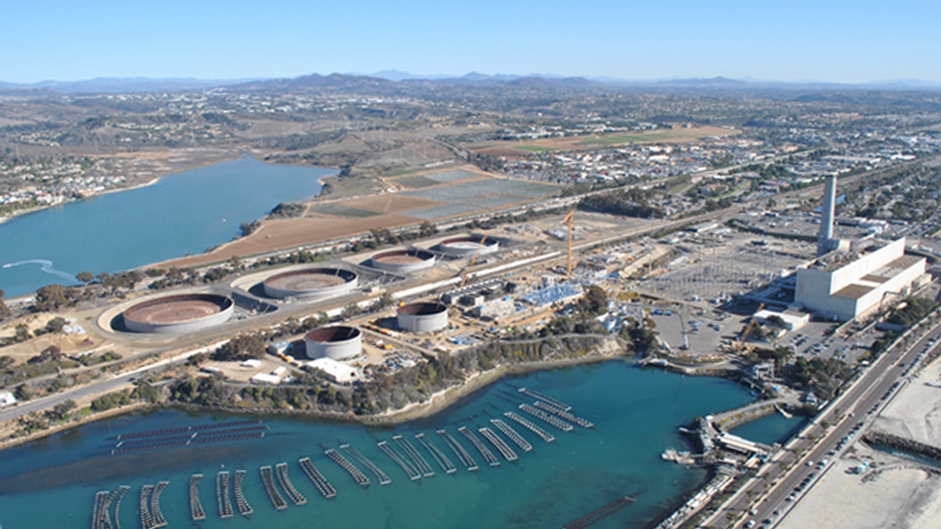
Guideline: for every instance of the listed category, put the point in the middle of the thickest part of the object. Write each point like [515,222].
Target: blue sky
[788,40]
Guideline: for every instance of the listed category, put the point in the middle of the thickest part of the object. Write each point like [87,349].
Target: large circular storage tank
[311,283]
[403,261]
[178,314]
[338,342]
[469,245]
[422,317]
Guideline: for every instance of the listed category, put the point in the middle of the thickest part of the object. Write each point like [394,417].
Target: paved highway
[801,458]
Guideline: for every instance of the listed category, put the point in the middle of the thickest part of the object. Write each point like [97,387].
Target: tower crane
[470,263]
[570,219]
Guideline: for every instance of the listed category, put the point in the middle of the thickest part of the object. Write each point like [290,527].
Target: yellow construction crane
[748,329]
[570,219]
[470,263]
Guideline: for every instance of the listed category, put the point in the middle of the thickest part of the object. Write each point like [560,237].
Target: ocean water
[52,482]
[184,213]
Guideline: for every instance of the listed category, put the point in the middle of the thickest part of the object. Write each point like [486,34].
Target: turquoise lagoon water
[181,214]
[774,428]
[52,482]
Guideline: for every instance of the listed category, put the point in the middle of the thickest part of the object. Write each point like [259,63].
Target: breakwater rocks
[895,442]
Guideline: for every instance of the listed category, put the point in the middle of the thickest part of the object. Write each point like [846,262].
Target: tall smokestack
[827,213]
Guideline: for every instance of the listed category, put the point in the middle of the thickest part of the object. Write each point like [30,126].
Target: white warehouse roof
[337,371]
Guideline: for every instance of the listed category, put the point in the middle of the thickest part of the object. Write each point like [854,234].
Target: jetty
[484,451]
[545,398]
[526,423]
[599,513]
[357,455]
[323,486]
[400,460]
[159,520]
[446,465]
[240,502]
[459,451]
[356,473]
[562,414]
[281,471]
[419,461]
[222,495]
[546,418]
[197,513]
[498,443]
[146,520]
[267,480]
[512,434]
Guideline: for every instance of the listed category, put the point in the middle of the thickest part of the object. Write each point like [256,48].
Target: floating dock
[563,414]
[130,447]
[484,451]
[545,398]
[146,520]
[241,503]
[222,495]
[267,480]
[195,428]
[400,460]
[323,486]
[356,473]
[501,447]
[197,513]
[419,461]
[281,470]
[355,454]
[100,519]
[512,434]
[122,490]
[159,520]
[446,465]
[459,451]
[546,418]
[526,423]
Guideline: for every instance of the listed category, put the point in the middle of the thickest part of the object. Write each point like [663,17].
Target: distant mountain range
[388,79]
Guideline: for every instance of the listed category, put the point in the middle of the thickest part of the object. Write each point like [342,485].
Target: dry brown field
[289,233]
[389,203]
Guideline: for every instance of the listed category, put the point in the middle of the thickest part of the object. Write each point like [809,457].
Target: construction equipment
[570,219]
[473,259]
[748,329]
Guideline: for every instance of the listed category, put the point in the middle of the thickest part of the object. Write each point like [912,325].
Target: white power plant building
[846,289]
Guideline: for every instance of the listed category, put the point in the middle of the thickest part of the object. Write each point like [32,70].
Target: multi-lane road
[801,463]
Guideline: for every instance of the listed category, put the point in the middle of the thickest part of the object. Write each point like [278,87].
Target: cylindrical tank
[178,314]
[338,342]
[468,246]
[422,317]
[403,261]
[311,283]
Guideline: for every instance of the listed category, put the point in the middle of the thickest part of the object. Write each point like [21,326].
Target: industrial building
[338,342]
[845,286]
[478,293]
[337,372]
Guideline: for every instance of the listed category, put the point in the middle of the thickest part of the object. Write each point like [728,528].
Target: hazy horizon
[802,41]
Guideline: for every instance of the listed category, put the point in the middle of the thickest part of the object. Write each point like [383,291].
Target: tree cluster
[631,202]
